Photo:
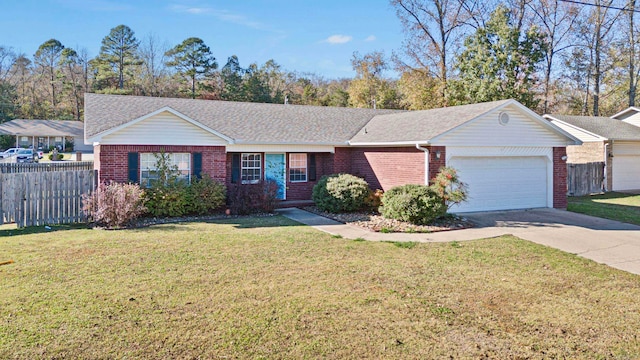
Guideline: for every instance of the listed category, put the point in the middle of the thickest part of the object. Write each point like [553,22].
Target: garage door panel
[626,172]
[502,183]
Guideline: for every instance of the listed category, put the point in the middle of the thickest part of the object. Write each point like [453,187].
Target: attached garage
[509,156]
[625,166]
[503,183]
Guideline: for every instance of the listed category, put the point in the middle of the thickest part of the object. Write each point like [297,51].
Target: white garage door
[502,183]
[626,172]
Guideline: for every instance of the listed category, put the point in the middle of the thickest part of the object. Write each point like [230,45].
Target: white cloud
[338,39]
[222,15]
[370,38]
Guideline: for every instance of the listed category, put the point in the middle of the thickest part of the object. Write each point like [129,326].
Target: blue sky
[303,35]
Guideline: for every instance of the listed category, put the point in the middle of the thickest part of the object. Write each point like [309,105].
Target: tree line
[552,55]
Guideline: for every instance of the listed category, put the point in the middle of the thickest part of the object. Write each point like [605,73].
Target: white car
[9,153]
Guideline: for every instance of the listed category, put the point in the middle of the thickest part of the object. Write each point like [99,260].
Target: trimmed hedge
[341,193]
[417,204]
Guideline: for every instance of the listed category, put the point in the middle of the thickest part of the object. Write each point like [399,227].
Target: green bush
[170,200]
[417,204]
[114,205]
[50,156]
[340,193]
[207,195]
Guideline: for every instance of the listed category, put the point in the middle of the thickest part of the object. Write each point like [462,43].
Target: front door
[275,170]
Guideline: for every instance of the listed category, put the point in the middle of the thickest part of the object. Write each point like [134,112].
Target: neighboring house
[608,140]
[42,134]
[510,157]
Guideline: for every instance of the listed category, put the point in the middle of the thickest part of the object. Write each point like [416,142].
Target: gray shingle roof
[423,125]
[603,126]
[42,127]
[242,122]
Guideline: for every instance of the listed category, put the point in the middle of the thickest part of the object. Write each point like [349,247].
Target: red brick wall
[112,159]
[559,178]
[434,163]
[341,160]
[384,168]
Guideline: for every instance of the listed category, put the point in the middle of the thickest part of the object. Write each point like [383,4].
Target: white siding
[580,134]
[163,129]
[626,148]
[633,119]
[522,130]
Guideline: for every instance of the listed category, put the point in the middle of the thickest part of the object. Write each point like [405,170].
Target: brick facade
[384,168]
[585,153]
[559,178]
[435,163]
[111,160]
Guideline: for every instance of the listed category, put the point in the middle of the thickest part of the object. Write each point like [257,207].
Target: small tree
[449,187]
[169,195]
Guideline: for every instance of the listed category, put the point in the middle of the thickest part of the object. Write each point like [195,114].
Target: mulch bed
[375,222]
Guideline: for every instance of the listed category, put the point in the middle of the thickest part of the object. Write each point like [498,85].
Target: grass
[268,288]
[615,206]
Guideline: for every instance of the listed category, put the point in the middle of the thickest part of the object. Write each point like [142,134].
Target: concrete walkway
[605,241]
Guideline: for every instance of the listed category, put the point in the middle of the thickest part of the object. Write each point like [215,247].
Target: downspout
[606,166]
[426,163]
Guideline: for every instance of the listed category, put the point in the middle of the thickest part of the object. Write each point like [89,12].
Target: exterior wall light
[438,154]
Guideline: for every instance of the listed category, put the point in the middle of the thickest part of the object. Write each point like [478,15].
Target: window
[297,167]
[148,170]
[251,168]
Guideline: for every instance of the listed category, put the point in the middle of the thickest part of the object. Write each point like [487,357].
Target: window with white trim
[251,168]
[297,167]
[181,162]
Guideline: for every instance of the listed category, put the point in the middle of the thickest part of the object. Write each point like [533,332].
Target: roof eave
[390,143]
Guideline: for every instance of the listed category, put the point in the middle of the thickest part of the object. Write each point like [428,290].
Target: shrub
[59,157]
[170,200]
[207,195]
[340,193]
[169,195]
[244,199]
[374,200]
[114,205]
[449,187]
[417,204]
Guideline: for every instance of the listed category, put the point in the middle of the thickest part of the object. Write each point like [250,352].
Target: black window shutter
[311,160]
[196,170]
[132,166]
[235,168]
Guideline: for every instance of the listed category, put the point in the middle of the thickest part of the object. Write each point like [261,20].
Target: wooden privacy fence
[49,166]
[45,197]
[585,179]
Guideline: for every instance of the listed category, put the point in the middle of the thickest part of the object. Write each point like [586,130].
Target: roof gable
[154,122]
[601,126]
[509,124]
[163,127]
[429,126]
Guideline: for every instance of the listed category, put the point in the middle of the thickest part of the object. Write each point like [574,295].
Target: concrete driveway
[605,241]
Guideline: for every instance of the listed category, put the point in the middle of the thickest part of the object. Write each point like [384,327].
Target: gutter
[426,162]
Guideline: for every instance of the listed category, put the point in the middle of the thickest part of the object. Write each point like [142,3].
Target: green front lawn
[268,288]
[615,206]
